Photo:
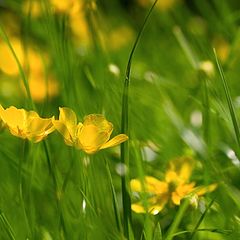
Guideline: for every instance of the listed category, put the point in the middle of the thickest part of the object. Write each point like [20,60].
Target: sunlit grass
[106,135]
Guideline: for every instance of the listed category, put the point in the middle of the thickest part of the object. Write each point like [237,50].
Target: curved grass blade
[125,129]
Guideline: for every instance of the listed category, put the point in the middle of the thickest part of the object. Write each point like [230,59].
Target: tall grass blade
[201,219]
[7,226]
[115,203]
[177,219]
[125,129]
[229,100]
[157,235]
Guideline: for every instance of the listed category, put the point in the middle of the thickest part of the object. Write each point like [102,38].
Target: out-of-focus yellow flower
[33,64]
[7,62]
[222,48]
[175,187]
[119,37]
[90,136]
[40,84]
[26,124]
[32,6]
[162,5]
[207,67]
[69,6]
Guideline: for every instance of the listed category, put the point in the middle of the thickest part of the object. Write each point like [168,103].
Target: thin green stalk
[21,188]
[201,219]
[115,203]
[177,219]
[20,68]
[52,170]
[125,129]
[186,47]
[229,100]
[206,115]
[7,226]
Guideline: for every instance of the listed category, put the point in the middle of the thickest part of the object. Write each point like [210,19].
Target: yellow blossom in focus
[175,187]
[90,136]
[26,124]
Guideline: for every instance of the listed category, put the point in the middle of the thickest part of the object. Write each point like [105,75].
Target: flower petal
[100,122]
[67,116]
[38,128]
[62,129]
[204,189]
[13,117]
[115,141]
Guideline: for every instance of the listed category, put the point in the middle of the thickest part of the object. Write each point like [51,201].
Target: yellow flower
[26,124]
[175,187]
[90,136]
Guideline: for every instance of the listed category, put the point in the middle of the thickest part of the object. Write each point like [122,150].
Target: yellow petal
[136,185]
[40,126]
[204,189]
[176,199]
[153,209]
[13,117]
[67,116]
[138,208]
[99,121]
[95,132]
[151,185]
[181,191]
[115,141]
[62,129]
[182,167]
[155,186]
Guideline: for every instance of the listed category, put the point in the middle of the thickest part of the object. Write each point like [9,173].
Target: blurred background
[74,53]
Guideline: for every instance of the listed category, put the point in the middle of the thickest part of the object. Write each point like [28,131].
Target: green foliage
[176,105]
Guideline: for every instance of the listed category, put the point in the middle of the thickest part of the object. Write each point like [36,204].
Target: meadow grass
[163,73]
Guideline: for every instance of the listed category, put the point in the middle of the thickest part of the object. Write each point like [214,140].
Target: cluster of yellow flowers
[172,189]
[91,135]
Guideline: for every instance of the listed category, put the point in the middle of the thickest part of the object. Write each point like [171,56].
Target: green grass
[157,94]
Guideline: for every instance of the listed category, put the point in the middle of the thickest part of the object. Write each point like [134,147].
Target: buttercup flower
[90,136]
[175,187]
[26,124]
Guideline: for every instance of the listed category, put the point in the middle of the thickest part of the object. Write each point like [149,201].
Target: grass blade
[125,129]
[229,100]
[177,219]
[201,219]
[7,226]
